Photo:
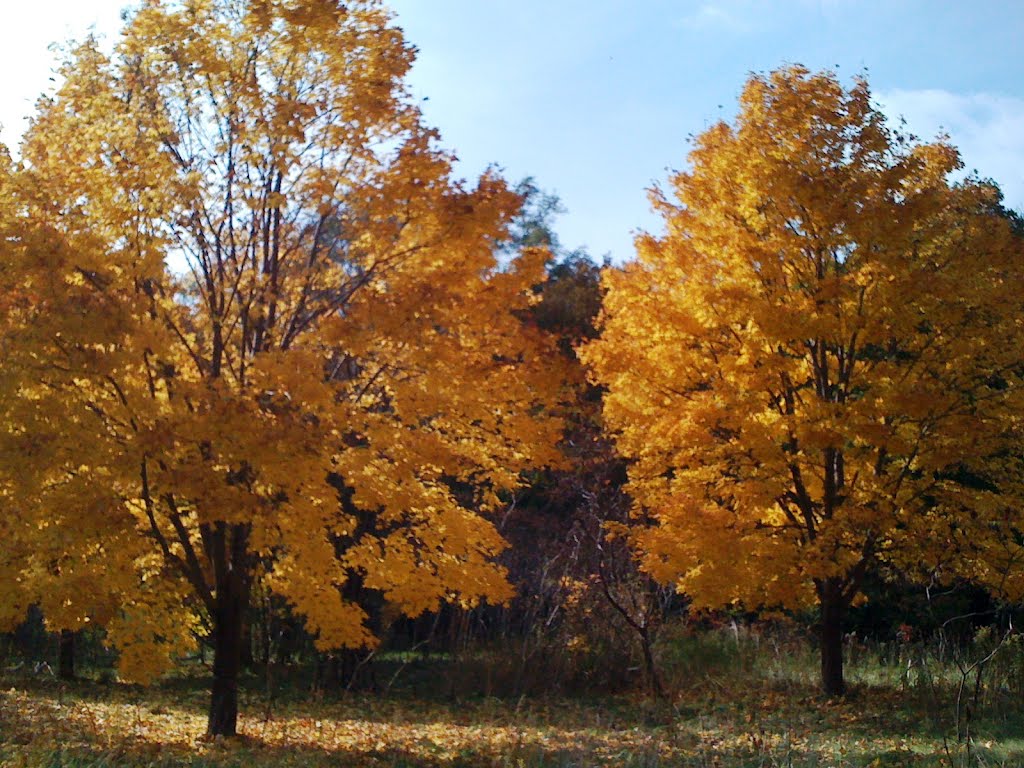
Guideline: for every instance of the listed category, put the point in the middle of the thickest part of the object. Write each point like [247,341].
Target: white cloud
[987,128]
[715,15]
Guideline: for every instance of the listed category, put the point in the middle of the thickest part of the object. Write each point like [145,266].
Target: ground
[84,724]
[727,709]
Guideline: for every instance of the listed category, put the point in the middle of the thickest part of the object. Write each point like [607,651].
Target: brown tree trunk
[227,661]
[230,602]
[653,678]
[66,655]
[832,613]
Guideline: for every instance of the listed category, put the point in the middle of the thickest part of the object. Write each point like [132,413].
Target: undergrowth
[740,696]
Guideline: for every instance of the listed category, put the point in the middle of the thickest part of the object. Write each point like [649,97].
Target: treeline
[278,388]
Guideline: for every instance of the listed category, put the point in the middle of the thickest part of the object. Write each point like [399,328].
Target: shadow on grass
[708,724]
[258,757]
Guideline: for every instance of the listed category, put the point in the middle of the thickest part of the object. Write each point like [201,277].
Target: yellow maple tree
[269,337]
[818,366]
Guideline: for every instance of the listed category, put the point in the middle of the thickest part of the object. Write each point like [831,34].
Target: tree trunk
[832,611]
[230,603]
[653,678]
[227,661]
[66,655]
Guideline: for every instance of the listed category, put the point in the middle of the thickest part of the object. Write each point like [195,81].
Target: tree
[268,338]
[817,366]
[48,559]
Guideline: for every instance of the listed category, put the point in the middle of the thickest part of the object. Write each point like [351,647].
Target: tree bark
[832,613]
[66,655]
[227,661]
[231,601]
[653,678]
[248,659]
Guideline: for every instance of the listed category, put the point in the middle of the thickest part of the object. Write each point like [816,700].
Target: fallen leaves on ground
[120,725]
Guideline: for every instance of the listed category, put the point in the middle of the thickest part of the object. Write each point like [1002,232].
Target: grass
[739,699]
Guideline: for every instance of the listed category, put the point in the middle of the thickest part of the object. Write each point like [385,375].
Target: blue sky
[595,99]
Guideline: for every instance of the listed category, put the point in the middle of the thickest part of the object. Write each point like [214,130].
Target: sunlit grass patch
[738,699]
[50,726]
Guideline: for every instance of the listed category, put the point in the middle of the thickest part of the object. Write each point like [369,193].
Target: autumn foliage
[261,347]
[818,366]
[254,331]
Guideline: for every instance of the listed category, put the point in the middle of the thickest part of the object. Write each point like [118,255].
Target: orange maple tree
[818,366]
[255,293]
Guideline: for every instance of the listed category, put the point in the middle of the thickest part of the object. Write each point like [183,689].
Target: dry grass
[733,706]
[90,725]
